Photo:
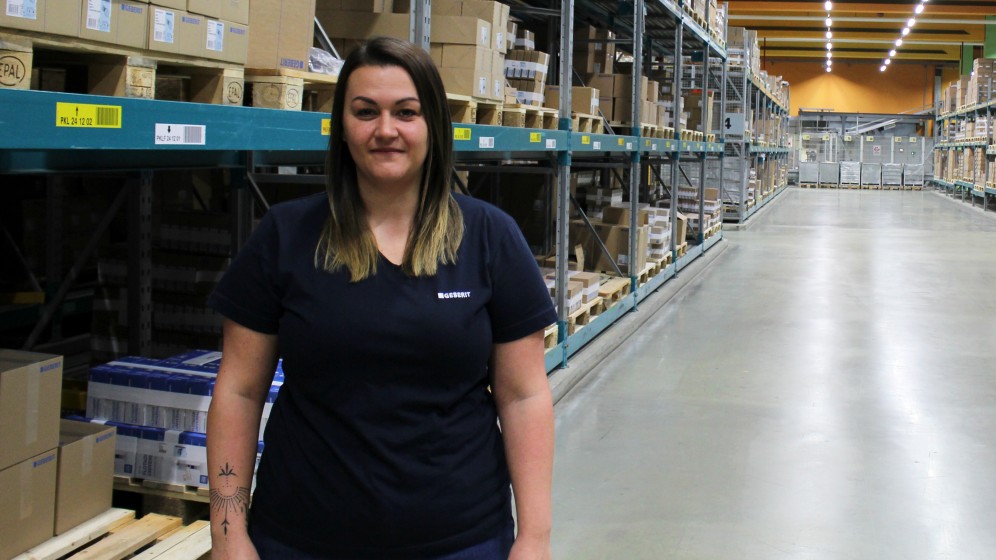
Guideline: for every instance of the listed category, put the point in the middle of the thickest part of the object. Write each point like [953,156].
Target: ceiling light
[828,68]
[910,22]
[899,42]
[829,45]
[829,34]
[829,54]
[828,5]
[829,22]
[888,61]
[829,63]
[892,52]
[906,31]
[919,9]
[882,69]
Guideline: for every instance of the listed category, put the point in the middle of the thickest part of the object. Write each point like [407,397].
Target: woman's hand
[530,548]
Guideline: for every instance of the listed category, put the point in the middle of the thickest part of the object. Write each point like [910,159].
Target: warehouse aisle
[825,390]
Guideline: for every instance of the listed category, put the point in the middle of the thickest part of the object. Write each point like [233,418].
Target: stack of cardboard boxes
[210,29]
[526,70]
[467,37]
[159,408]
[980,81]
[54,474]
[616,100]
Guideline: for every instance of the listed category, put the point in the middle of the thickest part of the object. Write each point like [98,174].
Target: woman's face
[384,128]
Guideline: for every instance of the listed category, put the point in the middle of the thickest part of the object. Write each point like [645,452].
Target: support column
[967,52]
[564,166]
[989,47]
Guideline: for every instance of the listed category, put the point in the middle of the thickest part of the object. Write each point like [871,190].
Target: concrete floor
[825,390]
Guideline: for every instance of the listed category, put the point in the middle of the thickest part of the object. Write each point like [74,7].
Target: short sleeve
[248,292]
[520,301]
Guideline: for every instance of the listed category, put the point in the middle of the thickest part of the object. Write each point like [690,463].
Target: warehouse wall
[858,87]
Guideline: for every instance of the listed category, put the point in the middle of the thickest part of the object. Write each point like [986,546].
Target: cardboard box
[162,29]
[235,42]
[616,241]
[281,34]
[125,24]
[191,34]
[497,76]
[209,8]
[235,11]
[619,215]
[85,473]
[358,25]
[27,503]
[494,13]
[467,81]
[583,99]
[460,30]
[46,16]
[171,4]
[30,397]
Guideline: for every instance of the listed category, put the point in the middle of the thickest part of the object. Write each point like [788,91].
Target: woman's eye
[365,113]
[408,113]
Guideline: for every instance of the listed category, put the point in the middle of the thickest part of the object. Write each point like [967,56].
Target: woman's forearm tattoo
[229,497]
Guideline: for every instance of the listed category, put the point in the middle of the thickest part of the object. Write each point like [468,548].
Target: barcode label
[215,36]
[551,143]
[180,134]
[159,35]
[596,145]
[486,142]
[109,116]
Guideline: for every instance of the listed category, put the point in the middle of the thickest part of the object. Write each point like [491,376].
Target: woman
[395,305]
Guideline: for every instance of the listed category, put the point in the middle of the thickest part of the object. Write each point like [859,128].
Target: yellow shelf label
[326,127]
[586,140]
[461,134]
[622,142]
[84,115]
[535,137]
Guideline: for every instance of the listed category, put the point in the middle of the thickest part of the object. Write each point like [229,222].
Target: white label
[500,39]
[180,134]
[551,143]
[733,123]
[596,145]
[482,86]
[27,9]
[486,142]
[485,37]
[629,145]
[499,88]
[216,36]
[98,15]
[162,27]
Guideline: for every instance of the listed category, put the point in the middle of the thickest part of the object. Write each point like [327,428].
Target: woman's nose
[386,127]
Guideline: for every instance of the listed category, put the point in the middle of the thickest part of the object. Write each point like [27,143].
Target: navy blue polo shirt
[384,440]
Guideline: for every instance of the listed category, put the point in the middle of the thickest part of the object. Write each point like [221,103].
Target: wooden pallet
[612,291]
[808,185]
[116,71]
[530,116]
[463,109]
[682,249]
[292,90]
[686,135]
[588,124]
[179,491]
[583,316]
[550,336]
[116,534]
[646,130]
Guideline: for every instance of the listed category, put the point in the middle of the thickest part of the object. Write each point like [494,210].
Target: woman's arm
[247,367]
[525,409]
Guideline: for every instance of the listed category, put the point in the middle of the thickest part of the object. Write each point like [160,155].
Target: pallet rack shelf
[974,183]
[139,136]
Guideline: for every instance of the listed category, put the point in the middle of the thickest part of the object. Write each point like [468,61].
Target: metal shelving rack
[975,188]
[745,94]
[243,139]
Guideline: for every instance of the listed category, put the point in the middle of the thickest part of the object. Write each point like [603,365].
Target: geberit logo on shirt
[453,295]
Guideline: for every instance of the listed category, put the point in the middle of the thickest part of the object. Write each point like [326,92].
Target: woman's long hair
[346,240]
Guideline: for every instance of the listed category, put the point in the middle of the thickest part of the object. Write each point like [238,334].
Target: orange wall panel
[855,87]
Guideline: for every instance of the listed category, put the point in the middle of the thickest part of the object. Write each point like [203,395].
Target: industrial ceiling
[791,30]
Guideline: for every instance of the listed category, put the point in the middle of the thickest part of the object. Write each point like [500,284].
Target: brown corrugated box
[191,34]
[86,473]
[27,503]
[30,396]
[127,24]
[209,8]
[235,11]
[361,25]
[460,30]
[281,34]
[162,29]
[172,4]
[58,17]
